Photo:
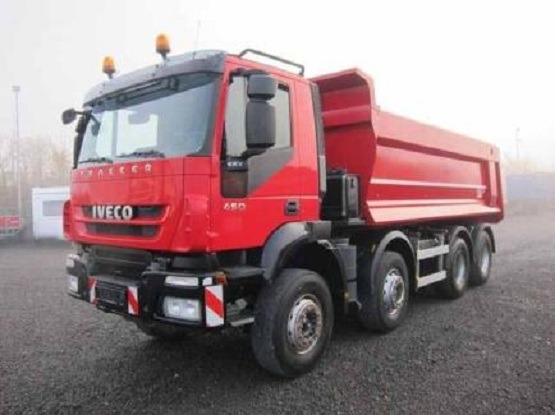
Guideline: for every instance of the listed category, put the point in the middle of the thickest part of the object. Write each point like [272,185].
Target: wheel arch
[395,241]
[282,245]
[322,258]
[306,245]
[464,233]
[476,231]
[489,231]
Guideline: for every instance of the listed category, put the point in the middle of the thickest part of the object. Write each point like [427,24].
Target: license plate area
[111,296]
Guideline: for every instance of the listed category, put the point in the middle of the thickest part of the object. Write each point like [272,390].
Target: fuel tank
[408,171]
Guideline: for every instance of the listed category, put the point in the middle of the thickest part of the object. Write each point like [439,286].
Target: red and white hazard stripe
[132,301]
[214,300]
[92,290]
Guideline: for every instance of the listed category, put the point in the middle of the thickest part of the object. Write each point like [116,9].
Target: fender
[486,228]
[384,242]
[458,230]
[286,239]
[464,233]
[455,230]
[345,258]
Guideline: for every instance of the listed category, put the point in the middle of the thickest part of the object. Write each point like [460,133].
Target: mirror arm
[77,144]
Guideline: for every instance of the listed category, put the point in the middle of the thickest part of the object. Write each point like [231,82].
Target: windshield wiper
[97,160]
[146,153]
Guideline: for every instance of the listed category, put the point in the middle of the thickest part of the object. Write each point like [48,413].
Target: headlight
[181,308]
[73,283]
[70,262]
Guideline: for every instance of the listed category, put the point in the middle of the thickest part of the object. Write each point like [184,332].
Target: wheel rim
[304,325]
[394,292]
[485,260]
[460,270]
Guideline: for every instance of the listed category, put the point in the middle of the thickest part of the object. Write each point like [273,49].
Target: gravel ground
[492,351]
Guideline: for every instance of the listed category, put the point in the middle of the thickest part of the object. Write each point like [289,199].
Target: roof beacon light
[108,66]
[162,45]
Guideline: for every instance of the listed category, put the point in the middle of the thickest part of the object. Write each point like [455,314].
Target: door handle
[292,207]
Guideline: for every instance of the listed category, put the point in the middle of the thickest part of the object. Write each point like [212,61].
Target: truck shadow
[421,304]
[199,372]
[206,370]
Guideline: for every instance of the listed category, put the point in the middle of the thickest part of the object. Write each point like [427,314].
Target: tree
[43,163]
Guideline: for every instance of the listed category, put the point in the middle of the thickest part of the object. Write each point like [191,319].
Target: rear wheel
[481,269]
[458,270]
[293,323]
[383,296]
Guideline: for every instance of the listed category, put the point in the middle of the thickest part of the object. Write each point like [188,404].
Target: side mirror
[260,125]
[261,87]
[260,116]
[68,116]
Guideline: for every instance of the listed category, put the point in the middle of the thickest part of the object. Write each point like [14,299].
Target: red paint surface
[409,172]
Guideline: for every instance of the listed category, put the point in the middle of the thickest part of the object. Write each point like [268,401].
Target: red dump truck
[210,190]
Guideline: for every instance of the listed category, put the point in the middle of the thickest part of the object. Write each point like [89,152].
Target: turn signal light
[162,45]
[108,66]
[220,279]
[66,218]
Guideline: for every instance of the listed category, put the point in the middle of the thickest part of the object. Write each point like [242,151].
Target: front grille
[119,255]
[106,260]
[139,212]
[114,229]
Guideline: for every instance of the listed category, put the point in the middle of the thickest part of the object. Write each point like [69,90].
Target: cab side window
[235,135]
[283,117]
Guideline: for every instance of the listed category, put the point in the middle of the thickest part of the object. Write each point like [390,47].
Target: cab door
[257,192]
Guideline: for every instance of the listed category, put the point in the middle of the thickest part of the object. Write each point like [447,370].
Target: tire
[481,269]
[277,335]
[162,332]
[458,271]
[383,296]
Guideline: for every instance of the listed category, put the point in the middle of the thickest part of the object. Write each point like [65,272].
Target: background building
[48,206]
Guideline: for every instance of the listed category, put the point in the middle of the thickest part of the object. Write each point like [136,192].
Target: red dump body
[409,172]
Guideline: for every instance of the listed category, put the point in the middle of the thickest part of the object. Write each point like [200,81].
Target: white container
[48,206]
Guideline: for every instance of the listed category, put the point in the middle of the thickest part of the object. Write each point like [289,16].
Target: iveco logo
[119,212]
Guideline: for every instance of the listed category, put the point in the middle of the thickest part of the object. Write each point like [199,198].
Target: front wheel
[293,323]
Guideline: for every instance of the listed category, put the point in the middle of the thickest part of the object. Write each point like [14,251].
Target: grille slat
[114,229]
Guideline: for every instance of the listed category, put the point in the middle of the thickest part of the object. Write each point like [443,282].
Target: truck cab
[171,142]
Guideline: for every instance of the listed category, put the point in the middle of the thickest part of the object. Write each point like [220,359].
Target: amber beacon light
[108,66]
[162,45]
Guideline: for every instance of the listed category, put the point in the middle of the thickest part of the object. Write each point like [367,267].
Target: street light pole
[16,90]
[517,142]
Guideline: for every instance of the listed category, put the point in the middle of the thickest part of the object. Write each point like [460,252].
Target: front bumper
[143,298]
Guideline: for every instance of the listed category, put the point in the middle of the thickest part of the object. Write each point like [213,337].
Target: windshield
[165,118]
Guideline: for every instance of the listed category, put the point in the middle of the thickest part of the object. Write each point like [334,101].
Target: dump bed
[409,172]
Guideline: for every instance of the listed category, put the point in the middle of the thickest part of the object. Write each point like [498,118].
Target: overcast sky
[481,68]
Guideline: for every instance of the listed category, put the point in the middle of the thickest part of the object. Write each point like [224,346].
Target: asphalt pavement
[492,351]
